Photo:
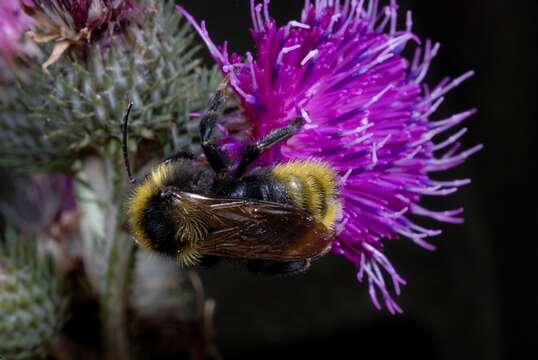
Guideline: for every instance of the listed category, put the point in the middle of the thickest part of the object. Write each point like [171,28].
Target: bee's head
[157,220]
[160,221]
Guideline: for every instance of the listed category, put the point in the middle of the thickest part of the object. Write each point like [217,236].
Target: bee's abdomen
[312,186]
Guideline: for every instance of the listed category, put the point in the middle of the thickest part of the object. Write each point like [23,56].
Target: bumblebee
[275,219]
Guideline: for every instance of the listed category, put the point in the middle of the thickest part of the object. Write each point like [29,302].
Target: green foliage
[55,118]
[32,308]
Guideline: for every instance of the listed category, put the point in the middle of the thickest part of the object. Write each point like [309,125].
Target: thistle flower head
[36,204]
[368,114]
[72,23]
[76,111]
[31,300]
[13,23]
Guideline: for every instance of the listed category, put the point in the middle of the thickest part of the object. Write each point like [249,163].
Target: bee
[274,219]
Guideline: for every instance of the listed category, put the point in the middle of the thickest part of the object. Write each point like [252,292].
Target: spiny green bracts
[77,108]
[32,308]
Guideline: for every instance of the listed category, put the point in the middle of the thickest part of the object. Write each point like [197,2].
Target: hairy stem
[106,248]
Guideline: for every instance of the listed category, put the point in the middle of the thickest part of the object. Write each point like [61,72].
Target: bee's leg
[268,267]
[177,156]
[252,151]
[213,153]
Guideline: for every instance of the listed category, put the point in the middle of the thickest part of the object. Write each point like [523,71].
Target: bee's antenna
[132,180]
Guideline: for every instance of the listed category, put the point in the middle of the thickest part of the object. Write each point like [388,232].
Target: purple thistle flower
[13,23]
[368,115]
[73,23]
[38,203]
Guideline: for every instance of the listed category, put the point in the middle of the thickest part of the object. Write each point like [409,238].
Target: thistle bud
[32,308]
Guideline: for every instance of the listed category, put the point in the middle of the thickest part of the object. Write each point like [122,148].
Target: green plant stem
[114,299]
[106,248]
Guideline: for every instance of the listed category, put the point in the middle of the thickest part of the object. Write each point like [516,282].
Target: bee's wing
[258,229]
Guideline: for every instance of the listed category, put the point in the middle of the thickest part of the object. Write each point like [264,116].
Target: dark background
[472,299]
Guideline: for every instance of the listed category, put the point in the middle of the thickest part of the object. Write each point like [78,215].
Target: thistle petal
[13,23]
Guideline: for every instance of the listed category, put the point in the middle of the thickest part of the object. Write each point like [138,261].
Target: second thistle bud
[31,302]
